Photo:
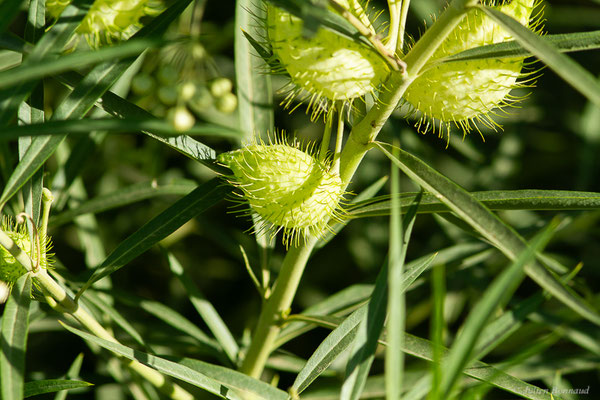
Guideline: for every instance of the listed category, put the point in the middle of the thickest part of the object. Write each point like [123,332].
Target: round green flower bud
[326,65]
[287,188]
[463,91]
[181,119]
[227,103]
[220,87]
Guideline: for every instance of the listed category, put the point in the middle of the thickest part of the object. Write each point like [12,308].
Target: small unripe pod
[109,20]
[463,91]
[325,64]
[10,269]
[287,188]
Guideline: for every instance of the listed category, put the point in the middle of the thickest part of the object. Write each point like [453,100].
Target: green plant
[432,290]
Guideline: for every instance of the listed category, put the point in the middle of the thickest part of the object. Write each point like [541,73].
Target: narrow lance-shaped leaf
[568,42]
[15,326]
[526,199]
[206,310]
[36,388]
[501,288]
[198,201]
[124,196]
[423,349]
[82,98]
[339,340]
[166,367]
[489,226]
[365,342]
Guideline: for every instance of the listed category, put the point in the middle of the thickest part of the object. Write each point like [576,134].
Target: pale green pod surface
[460,92]
[288,189]
[10,269]
[325,65]
[109,20]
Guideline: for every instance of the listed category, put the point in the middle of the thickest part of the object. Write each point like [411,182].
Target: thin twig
[394,62]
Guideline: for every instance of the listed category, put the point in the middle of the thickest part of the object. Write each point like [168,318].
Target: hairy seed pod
[287,188]
[326,65]
[10,269]
[109,20]
[463,91]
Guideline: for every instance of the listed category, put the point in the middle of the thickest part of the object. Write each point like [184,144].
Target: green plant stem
[402,27]
[365,132]
[66,305]
[63,303]
[276,306]
[394,7]
[359,142]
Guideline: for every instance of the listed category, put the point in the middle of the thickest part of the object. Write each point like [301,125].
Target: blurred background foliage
[550,141]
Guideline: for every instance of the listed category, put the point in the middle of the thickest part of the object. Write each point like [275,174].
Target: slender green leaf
[84,95]
[32,190]
[52,385]
[568,42]
[170,317]
[363,196]
[37,153]
[527,199]
[501,288]
[365,343]
[242,383]
[49,46]
[564,66]
[72,374]
[127,195]
[329,349]
[161,226]
[253,86]
[337,342]
[15,326]
[85,126]
[114,315]
[209,315]
[170,368]
[344,300]
[423,349]
[490,227]
[43,68]
[117,106]
[396,306]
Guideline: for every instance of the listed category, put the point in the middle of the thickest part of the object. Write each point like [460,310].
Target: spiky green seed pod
[287,188]
[10,269]
[326,65]
[109,20]
[466,91]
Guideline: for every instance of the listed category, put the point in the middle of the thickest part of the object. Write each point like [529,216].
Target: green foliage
[470,273]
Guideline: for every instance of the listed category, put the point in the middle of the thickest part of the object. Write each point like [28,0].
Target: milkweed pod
[326,65]
[10,269]
[287,188]
[465,91]
[109,20]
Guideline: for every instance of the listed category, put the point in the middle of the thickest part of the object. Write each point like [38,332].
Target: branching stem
[357,145]
[369,33]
